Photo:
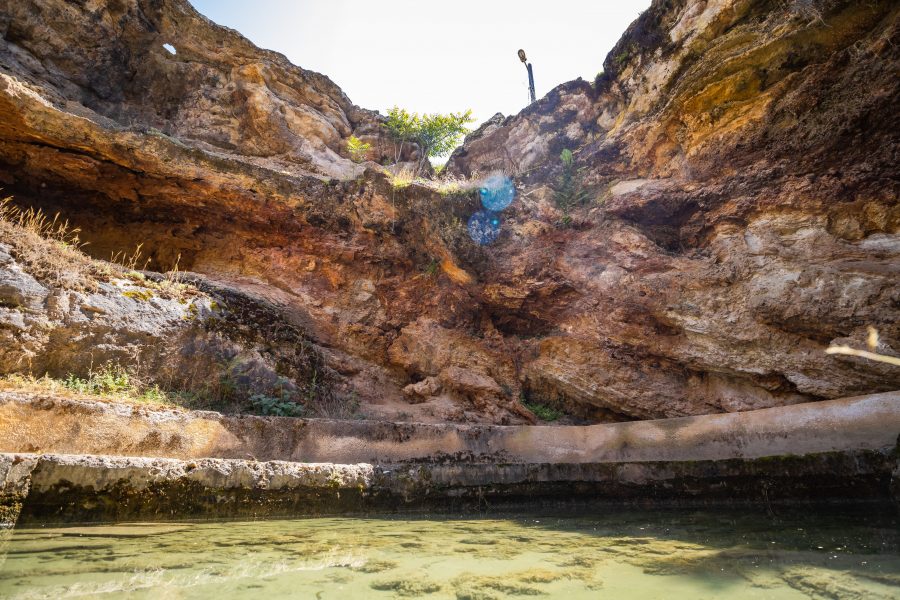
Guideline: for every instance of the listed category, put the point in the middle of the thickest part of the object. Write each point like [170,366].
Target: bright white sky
[435,56]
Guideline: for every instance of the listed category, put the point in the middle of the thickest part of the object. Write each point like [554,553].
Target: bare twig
[847,350]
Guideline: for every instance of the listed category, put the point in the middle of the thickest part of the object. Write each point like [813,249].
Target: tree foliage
[439,134]
[401,123]
[436,134]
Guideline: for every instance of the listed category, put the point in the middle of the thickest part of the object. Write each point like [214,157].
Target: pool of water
[620,555]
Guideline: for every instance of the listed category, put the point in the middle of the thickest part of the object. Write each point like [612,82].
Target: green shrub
[110,379]
[432,267]
[272,406]
[544,412]
[357,149]
[115,380]
[569,191]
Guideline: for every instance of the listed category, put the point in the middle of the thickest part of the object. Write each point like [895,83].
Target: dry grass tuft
[450,185]
[51,251]
[49,248]
[37,222]
[403,178]
[131,261]
[447,185]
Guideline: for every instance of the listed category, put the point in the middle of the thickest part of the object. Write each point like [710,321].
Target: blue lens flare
[497,192]
[484,227]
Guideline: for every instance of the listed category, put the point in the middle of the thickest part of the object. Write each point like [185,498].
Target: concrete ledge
[37,423]
[67,460]
[66,488]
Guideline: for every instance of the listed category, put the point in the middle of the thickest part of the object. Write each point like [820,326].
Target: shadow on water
[719,541]
[845,552]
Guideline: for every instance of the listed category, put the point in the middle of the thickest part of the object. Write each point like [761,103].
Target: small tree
[357,149]
[439,134]
[401,125]
[569,191]
[436,134]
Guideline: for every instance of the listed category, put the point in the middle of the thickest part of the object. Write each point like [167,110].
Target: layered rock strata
[740,158]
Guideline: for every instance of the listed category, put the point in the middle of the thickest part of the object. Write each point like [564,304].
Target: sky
[429,56]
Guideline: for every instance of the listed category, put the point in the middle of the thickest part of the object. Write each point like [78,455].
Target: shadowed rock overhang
[741,158]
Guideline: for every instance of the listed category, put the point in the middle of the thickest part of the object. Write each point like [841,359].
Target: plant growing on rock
[114,380]
[402,178]
[357,149]
[48,247]
[569,191]
[436,134]
[276,406]
[432,268]
[542,411]
[450,185]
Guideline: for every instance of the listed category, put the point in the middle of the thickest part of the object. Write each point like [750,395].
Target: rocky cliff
[739,157]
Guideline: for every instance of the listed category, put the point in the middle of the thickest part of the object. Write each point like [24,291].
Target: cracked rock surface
[740,158]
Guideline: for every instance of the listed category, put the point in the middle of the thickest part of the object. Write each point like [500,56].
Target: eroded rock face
[217,346]
[161,67]
[741,159]
[743,162]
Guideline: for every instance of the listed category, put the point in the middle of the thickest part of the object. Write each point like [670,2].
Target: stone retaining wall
[77,460]
[67,488]
[36,423]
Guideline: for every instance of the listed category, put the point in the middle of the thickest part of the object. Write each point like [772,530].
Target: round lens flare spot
[484,227]
[497,192]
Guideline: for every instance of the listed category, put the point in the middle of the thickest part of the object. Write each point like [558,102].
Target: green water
[618,555]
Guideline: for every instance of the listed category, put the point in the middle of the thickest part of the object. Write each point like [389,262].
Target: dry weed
[49,248]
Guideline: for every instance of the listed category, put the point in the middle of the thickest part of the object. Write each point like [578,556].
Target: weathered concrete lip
[43,423]
[77,460]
